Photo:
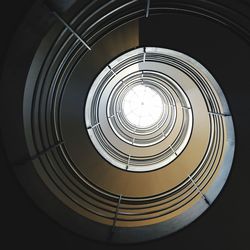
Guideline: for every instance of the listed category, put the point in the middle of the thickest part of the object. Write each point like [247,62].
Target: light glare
[142,106]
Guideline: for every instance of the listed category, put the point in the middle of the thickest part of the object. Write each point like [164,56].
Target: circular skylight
[142,106]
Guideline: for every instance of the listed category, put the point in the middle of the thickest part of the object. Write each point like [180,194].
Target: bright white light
[142,106]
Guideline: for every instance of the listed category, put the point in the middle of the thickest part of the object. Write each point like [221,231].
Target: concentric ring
[123,144]
[112,197]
